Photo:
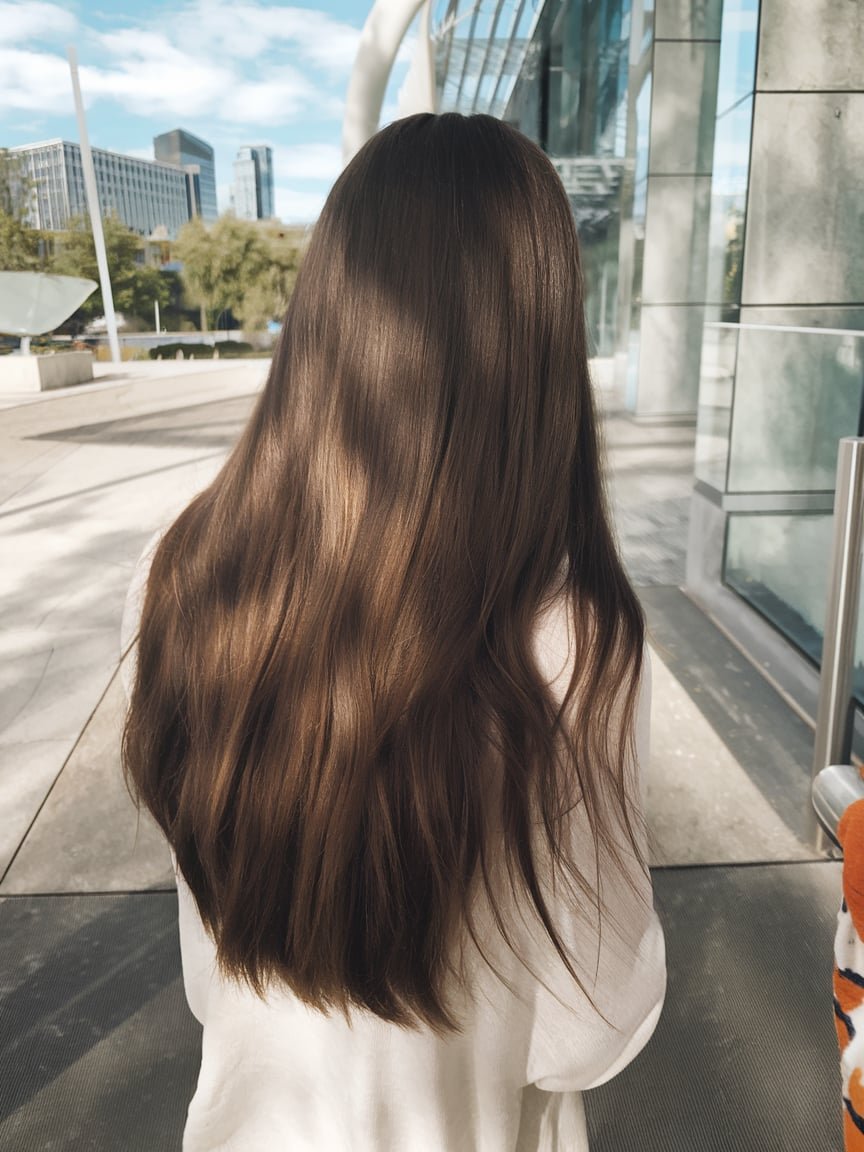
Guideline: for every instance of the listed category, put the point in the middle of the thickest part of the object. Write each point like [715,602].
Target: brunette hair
[337,696]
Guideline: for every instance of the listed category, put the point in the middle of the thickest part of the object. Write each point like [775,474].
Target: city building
[196,158]
[712,153]
[252,194]
[145,195]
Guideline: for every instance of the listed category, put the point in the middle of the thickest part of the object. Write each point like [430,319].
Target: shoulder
[133,607]
[554,650]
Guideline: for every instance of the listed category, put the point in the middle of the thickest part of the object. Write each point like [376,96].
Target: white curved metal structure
[35,302]
[382,34]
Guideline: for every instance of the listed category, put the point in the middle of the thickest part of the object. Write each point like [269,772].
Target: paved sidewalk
[98,1044]
[85,479]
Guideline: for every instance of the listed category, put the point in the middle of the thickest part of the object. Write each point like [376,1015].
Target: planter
[41,373]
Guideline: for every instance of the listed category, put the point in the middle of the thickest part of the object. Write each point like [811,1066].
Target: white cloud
[24,22]
[247,31]
[151,77]
[34,82]
[294,207]
[245,65]
[269,101]
[308,162]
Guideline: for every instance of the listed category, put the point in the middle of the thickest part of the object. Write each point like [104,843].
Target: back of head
[335,676]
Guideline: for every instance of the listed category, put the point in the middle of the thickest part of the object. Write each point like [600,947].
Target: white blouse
[278,1076]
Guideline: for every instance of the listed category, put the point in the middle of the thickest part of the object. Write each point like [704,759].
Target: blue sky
[251,72]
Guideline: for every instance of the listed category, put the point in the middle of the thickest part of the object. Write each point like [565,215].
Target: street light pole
[94,209]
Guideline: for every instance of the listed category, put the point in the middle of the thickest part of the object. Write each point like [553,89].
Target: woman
[391,695]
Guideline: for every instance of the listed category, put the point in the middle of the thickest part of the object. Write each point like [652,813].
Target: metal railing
[836,783]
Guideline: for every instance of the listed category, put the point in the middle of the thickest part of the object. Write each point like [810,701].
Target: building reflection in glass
[559,73]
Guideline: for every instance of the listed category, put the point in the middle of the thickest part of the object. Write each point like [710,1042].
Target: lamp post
[94,209]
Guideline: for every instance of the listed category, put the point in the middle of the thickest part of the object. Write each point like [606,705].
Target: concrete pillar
[674,102]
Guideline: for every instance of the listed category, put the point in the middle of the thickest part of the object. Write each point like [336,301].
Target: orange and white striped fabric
[849,976]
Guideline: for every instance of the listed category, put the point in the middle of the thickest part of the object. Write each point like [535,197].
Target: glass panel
[796,394]
[631,387]
[737,52]
[570,97]
[714,413]
[778,564]
[728,204]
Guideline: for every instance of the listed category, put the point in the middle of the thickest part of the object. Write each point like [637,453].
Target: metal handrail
[832,782]
[834,789]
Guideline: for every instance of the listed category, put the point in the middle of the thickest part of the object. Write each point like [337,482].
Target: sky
[234,74]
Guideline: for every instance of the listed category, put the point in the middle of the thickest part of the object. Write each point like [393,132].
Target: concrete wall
[669,287]
[42,373]
[786,248]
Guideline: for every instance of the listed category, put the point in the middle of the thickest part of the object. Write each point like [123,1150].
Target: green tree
[196,251]
[221,265]
[135,288]
[266,298]
[15,185]
[19,245]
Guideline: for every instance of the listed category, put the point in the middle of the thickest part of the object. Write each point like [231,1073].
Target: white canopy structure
[380,39]
[35,302]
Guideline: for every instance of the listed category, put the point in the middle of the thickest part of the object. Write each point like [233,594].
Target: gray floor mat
[745,1056]
[99,1052]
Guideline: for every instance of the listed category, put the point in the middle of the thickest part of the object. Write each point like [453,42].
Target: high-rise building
[143,194]
[253,183]
[195,157]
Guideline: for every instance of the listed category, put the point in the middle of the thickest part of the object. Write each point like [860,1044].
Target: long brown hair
[337,698]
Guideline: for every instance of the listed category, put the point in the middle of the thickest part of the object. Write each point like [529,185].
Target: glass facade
[143,194]
[253,184]
[186,151]
[558,73]
[735,97]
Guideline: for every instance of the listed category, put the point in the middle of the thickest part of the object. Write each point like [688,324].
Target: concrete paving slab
[85,480]
[703,806]
[89,837]
[27,773]
[650,480]
[134,452]
[64,686]
[770,742]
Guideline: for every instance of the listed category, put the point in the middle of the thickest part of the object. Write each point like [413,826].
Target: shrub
[230,349]
[169,351]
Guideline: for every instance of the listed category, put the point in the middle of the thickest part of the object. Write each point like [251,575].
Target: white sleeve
[571,1046]
[132,613]
[197,950]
